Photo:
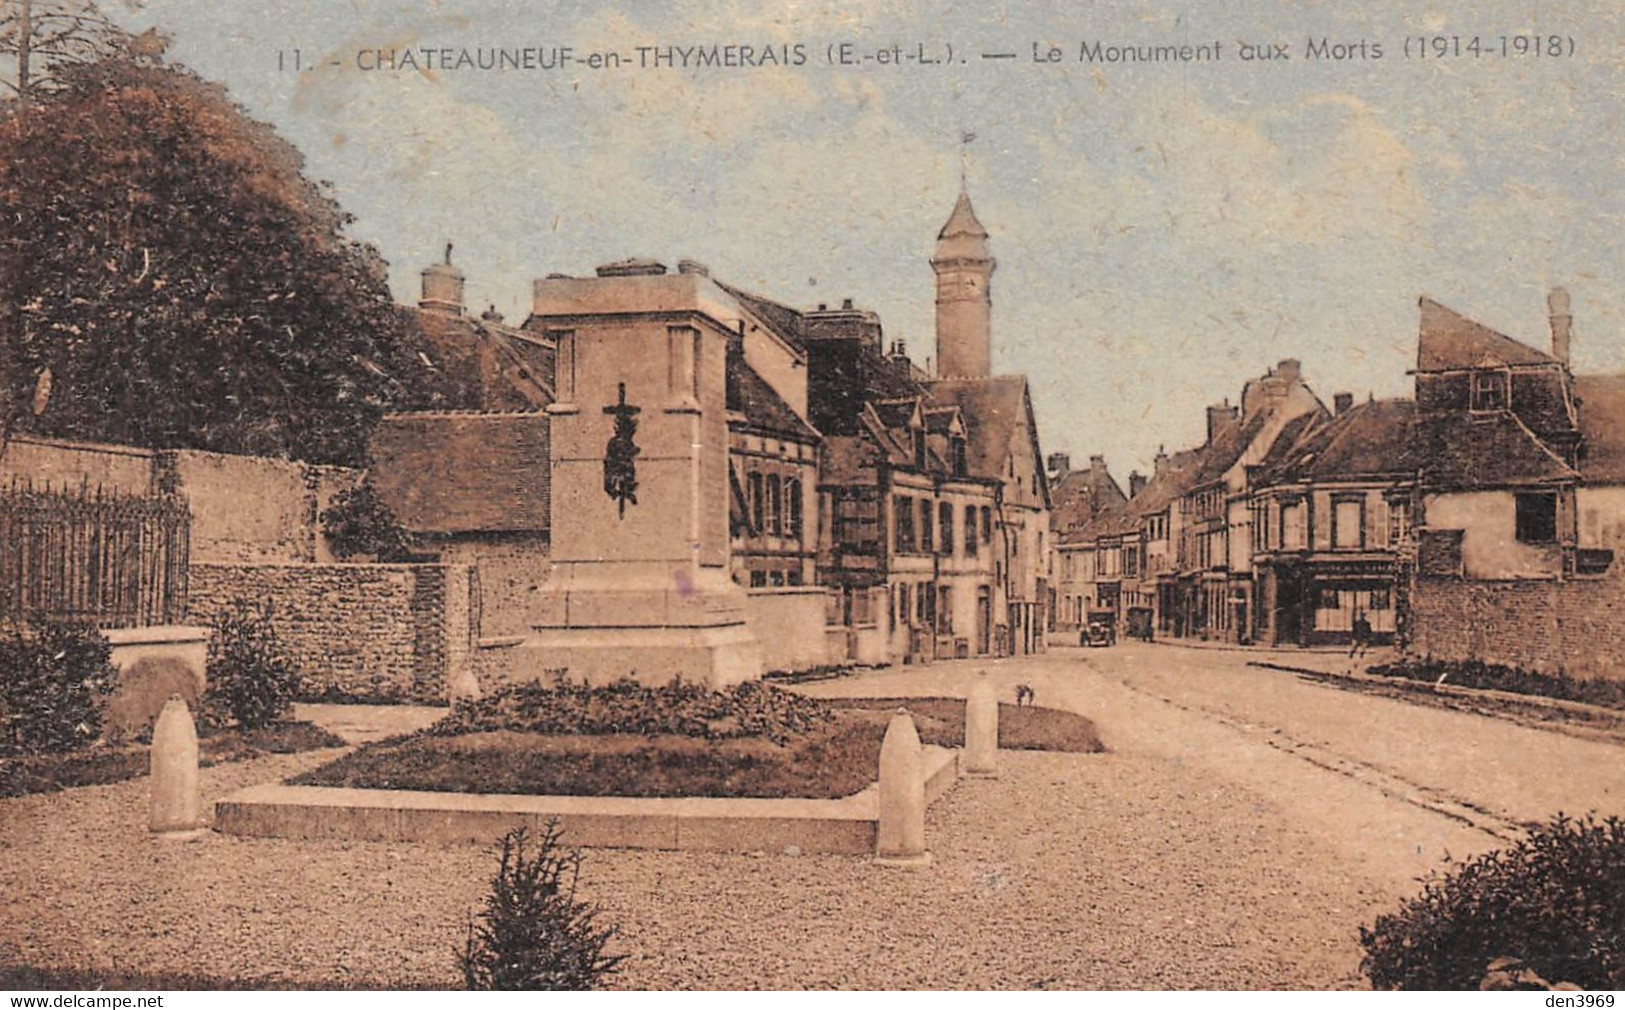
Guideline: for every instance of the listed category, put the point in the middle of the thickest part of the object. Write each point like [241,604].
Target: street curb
[1428,687]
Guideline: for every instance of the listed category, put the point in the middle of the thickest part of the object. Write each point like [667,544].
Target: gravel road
[1069,871]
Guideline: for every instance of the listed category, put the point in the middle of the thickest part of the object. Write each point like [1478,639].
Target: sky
[1163,231]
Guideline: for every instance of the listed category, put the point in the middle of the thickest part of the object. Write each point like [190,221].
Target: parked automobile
[1101,629]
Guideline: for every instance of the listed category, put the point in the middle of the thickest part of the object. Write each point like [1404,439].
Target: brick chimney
[1557,307]
[1136,483]
[1219,417]
[1060,464]
[1158,464]
[1097,464]
[1341,402]
[442,287]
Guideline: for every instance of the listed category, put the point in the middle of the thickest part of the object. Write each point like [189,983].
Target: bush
[751,709]
[251,679]
[534,933]
[52,681]
[1554,902]
[358,523]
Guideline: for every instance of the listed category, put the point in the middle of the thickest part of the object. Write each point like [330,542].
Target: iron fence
[85,555]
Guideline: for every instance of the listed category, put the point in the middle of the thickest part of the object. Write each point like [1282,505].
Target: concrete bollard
[982,728]
[901,836]
[177,801]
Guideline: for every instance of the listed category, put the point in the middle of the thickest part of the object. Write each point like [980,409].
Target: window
[1398,523]
[903,507]
[775,506]
[927,537]
[1380,598]
[1537,517]
[758,579]
[1490,391]
[1292,525]
[756,505]
[793,577]
[1329,599]
[987,524]
[970,530]
[945,611]
[945,524]
[792,494]
[902,604]
[1348,524]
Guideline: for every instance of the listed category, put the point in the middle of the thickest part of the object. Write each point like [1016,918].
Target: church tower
[964,269]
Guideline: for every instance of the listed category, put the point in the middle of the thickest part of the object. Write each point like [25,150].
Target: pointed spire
[963,220]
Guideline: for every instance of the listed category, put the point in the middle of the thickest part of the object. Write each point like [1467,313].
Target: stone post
[901,836]
[982,728]
[177,803]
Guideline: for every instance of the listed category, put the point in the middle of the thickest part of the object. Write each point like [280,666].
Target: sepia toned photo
[518,495]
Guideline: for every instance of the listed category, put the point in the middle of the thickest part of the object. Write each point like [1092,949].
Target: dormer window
[1490,391]
[919,448]
[960,465]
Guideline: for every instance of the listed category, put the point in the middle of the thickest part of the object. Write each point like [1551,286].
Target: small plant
[360,524]
[1553,904]
[52,681]
[534,933]
[251,679]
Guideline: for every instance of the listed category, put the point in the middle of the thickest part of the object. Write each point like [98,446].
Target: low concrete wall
[372,632]
[844,826]
[153,663]
[789,624]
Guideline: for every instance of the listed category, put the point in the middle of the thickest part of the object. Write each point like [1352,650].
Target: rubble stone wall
[357,631]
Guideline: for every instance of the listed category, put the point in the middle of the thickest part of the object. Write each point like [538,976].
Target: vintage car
[1101,629]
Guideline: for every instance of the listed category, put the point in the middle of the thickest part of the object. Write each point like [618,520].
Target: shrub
[252,681]
[1554,901]
[751,709]
[358,523]
[52,680]
[534,933]
[1479,674]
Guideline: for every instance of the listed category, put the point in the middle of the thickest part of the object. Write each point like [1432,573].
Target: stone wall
[375,632]
[253,509]
[1576,625]
[789,624]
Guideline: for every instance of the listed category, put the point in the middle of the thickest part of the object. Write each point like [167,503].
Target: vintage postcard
[808,495]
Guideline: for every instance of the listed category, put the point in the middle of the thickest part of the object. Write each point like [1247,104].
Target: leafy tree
[164,257]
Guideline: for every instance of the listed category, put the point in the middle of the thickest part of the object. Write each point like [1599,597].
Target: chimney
[442,287]
[1557,306]
[846,304]
[1097,464]
[1060,463]
[1136,483]
[688,266]
[1341,402]
[635,267]
[1161,462]
[1219,417]
[1289,369]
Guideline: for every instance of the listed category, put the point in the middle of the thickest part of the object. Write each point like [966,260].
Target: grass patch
[1491,676]
[836,757]
[96,766]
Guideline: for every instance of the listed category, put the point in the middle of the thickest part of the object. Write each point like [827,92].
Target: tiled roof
[1449,340]
[1080,495]
[464,363]
[993,410]
[1483,451]
[1367,440]
[764,409]
[1602,427]
[464,472]
[782,320]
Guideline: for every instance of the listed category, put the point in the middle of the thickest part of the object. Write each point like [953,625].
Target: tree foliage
[359,524]
[163,255]
[1553,904]
[534,933]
